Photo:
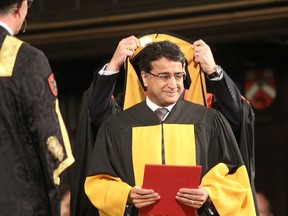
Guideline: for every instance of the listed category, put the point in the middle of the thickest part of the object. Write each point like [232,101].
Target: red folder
[166,180]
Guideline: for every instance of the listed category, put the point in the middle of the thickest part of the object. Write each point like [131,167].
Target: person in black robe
[34,144]
[192,134]
[99,103]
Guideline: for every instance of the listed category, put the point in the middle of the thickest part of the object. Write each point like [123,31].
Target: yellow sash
[8,55]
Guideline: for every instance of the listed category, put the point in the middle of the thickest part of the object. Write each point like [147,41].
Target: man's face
[161,92]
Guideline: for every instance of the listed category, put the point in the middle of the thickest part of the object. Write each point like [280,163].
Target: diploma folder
[166,180]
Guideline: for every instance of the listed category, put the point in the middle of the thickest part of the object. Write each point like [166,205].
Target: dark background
[79,36]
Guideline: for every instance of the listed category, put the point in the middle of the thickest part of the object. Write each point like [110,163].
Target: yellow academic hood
[134,91]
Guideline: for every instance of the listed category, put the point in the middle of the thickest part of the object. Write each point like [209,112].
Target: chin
[170,101]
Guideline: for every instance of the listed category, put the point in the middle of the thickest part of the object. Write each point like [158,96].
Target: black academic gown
[203,132]
[241,117]
[98,104]
[228,100]
[34,144]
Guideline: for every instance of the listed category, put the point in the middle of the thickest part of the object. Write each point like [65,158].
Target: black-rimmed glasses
[179,76]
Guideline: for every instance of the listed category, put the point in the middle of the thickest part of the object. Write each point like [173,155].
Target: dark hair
[157,50]
[7,5]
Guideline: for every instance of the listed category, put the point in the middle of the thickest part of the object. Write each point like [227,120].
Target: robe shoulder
[141,115]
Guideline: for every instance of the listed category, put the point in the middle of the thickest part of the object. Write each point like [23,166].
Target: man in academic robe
[34,144]
[99,103]
[192,135]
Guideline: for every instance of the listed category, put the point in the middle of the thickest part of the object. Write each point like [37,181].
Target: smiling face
[160,92]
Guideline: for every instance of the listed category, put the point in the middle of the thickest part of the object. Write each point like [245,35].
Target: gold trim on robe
[236,183]
[134,92]
[8,55]
[112,188]
[70,159]
[146,146]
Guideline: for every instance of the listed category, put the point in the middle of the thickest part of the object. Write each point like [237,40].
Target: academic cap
[134,90]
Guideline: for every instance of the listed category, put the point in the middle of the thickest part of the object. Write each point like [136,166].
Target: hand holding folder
[166,180]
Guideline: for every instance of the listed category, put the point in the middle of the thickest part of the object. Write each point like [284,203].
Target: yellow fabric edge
[134,92]
[179,142]
[194,93]
[108,194]
[8,55]
[70,159]
[144,151]
[230,193]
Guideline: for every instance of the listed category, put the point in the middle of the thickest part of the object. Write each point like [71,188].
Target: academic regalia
[227,98]
[88,125]
[82,148]
[224,89]
[132,138]
[34,144]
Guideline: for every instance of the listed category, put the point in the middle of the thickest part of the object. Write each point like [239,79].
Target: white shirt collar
[154,106]
[4,25]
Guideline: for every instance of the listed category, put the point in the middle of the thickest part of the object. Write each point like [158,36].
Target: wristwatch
[216,73]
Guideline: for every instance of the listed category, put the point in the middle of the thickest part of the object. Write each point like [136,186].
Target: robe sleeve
[46,128]
[111,196]
[103,185]
[101,103]
[227,182]
[228,101]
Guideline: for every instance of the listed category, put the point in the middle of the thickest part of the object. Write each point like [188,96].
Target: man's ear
[20,10]
[144,78]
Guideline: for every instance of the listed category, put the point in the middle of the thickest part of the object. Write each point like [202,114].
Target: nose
[172,82]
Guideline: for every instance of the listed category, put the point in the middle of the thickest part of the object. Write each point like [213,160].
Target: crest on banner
[260,88]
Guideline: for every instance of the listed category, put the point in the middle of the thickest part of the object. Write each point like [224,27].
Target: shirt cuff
[105,72]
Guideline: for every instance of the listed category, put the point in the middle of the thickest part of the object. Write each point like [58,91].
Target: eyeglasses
[179,76]
[29,3]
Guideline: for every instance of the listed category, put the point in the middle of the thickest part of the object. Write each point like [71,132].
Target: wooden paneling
[218,22]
